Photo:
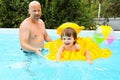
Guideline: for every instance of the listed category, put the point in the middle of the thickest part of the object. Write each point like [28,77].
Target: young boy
[69,37]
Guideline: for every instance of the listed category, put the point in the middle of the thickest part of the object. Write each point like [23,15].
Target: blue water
[15,65]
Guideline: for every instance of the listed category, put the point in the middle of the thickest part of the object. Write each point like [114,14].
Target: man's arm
[24,37]
[47,37]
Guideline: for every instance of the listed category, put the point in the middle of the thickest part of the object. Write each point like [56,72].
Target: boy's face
[68,41]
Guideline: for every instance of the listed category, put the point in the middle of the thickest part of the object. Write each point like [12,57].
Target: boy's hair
[69,32]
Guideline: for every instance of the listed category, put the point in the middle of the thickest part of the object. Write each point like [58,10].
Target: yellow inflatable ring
[85,43]
[69,24]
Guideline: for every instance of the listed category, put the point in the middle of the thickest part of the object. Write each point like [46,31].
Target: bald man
[32,30]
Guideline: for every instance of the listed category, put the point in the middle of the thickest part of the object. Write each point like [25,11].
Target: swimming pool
[15,65]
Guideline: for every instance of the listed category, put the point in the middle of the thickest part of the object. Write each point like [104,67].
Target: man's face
[35,12]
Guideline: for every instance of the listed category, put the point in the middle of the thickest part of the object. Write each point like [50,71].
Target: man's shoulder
[25,21]
[41,20]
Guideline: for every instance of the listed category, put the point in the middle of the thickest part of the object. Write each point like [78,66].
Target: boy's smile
[68,41]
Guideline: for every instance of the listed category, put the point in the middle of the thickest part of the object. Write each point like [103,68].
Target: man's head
[35,10]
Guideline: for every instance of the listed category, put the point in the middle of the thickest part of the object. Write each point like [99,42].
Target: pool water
[16,65]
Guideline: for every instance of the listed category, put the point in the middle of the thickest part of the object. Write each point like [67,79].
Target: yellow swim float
[85,43]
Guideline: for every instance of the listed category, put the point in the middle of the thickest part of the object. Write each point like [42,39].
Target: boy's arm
[77,47]
[59,53]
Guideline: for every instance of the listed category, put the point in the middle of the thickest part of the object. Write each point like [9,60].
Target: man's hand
[38,51]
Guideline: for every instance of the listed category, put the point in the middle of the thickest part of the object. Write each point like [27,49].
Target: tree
[56,12]
[12,13]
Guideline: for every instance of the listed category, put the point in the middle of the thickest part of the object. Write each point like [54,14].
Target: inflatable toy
[103,33]
[69,24]
[85,43]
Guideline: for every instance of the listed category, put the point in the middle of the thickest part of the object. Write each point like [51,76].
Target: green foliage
[109,8]
[113,8]
[12,13]
[56,12]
